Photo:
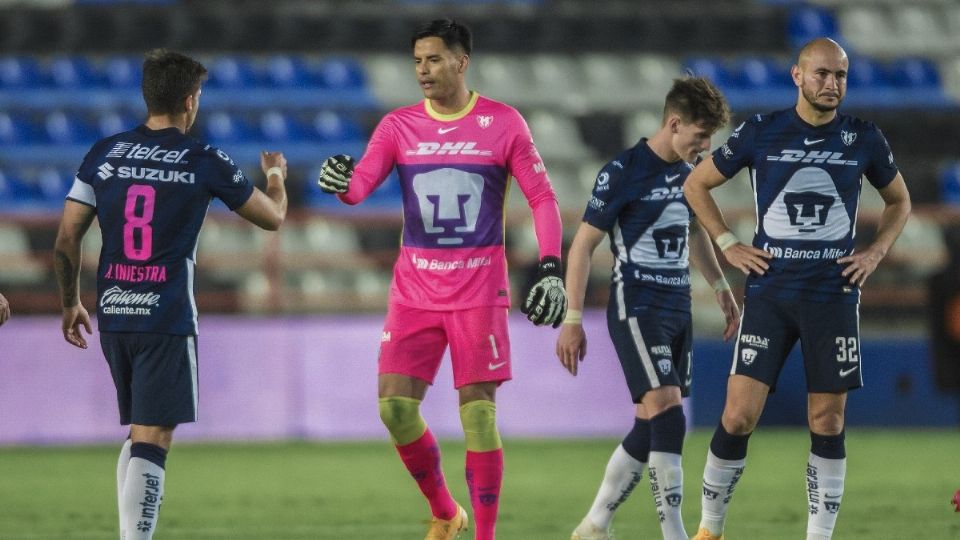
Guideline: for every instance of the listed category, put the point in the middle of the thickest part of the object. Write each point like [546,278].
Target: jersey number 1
[138,222]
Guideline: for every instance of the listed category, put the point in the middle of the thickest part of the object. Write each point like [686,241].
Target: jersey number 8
[138,222]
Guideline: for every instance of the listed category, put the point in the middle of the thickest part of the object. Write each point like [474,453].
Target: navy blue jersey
[638,200]
[806,182]
[151,190]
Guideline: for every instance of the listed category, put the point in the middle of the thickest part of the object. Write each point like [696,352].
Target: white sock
[123,462]
[824,491]
[666,483]
[720,477]
[142,495]
[623,473]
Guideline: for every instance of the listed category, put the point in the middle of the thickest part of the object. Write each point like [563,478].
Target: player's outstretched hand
[73,318]
[572,346]
[269,160]
[336,173]
[748,258]
[731,313]
[4,309]
[546,301]
[860,265]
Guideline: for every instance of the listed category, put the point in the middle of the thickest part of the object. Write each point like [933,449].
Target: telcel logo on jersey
[802,156]
[117,301]
[157,175]
[149,153]
[467,148]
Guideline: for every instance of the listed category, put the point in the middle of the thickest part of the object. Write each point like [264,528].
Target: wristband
[574,316]
[725,240]
[721,285]
[275,170]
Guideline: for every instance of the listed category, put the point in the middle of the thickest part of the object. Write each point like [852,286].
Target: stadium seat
[392,81]
[73,72]
[276,126]
[330,126]
[112,122]
[222,127]
[551,72]
[283,71]
[341,74]
[921,29]
[643,123]
[759,73]
[914,73]
[19,72]
[808,22]
[866,73]
[556,135]
[710,68]
[53,184]
[504,78]
[230,72]
[17,129]
[122,72]
[868,29]
[62,128]
[950,184]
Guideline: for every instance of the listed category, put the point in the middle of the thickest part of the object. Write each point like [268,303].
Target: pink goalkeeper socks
[422,459]
[484,477]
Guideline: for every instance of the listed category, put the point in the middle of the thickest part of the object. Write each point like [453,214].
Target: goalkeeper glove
[336,173]
[546,301]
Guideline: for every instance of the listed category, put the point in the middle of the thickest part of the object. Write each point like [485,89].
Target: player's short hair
[168,78]
[455,35]
[696,100]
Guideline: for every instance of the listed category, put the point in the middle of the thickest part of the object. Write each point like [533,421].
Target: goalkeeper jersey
[454,172]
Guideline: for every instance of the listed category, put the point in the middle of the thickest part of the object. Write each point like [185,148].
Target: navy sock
[150,452]
[828,446]
[637,442]
[727,446]
[667,430]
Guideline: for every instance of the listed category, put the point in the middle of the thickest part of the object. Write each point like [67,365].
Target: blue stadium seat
[332,127]
[276,126]
[759,73]
[19,72]
[122,72]
[112,122]
[62,128]
[286,72]
[73,72]
[341,74]
[221,127]
[230,72]
[866,73]
[710,68]
[16,129]
[950,184]
[914,73]
[808,22]
[52,185]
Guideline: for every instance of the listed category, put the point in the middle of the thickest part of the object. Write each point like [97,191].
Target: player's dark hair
[455,35]
[696,100]
[168,78]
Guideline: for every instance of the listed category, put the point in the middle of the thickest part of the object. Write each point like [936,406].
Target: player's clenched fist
[546,301]
[336,173]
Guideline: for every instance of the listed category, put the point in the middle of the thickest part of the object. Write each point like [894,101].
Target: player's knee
[401,416]
[737,422]
[479,419]
[826,422]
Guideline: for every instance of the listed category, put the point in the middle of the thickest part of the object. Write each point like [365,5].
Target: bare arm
[572,342]
[696,189]
[74,224]
[267,209]
[894,216]
[703,257]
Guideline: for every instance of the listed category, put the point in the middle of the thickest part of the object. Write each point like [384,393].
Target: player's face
[822,77]
[691,140]
[439,70]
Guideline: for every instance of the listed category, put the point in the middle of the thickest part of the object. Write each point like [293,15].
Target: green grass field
[899,485]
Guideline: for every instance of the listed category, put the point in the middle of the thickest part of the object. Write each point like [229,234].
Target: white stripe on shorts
[195,390]
[644,353]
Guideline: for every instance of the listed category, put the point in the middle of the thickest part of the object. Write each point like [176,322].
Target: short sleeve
[607,198]
[228,183]
[738,151]
[881,168]
[82,189]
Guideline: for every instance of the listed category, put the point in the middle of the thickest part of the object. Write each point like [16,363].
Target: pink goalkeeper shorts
[413,342]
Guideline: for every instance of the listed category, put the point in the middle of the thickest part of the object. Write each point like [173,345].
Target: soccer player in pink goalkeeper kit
[455,152]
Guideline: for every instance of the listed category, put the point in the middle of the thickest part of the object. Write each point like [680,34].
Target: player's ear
[796,75]
[464,62]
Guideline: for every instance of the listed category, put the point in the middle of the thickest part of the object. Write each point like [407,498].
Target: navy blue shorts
[654,349]
[829,336]
[155,376]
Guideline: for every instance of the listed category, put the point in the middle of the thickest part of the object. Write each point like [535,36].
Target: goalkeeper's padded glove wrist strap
[550,266]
